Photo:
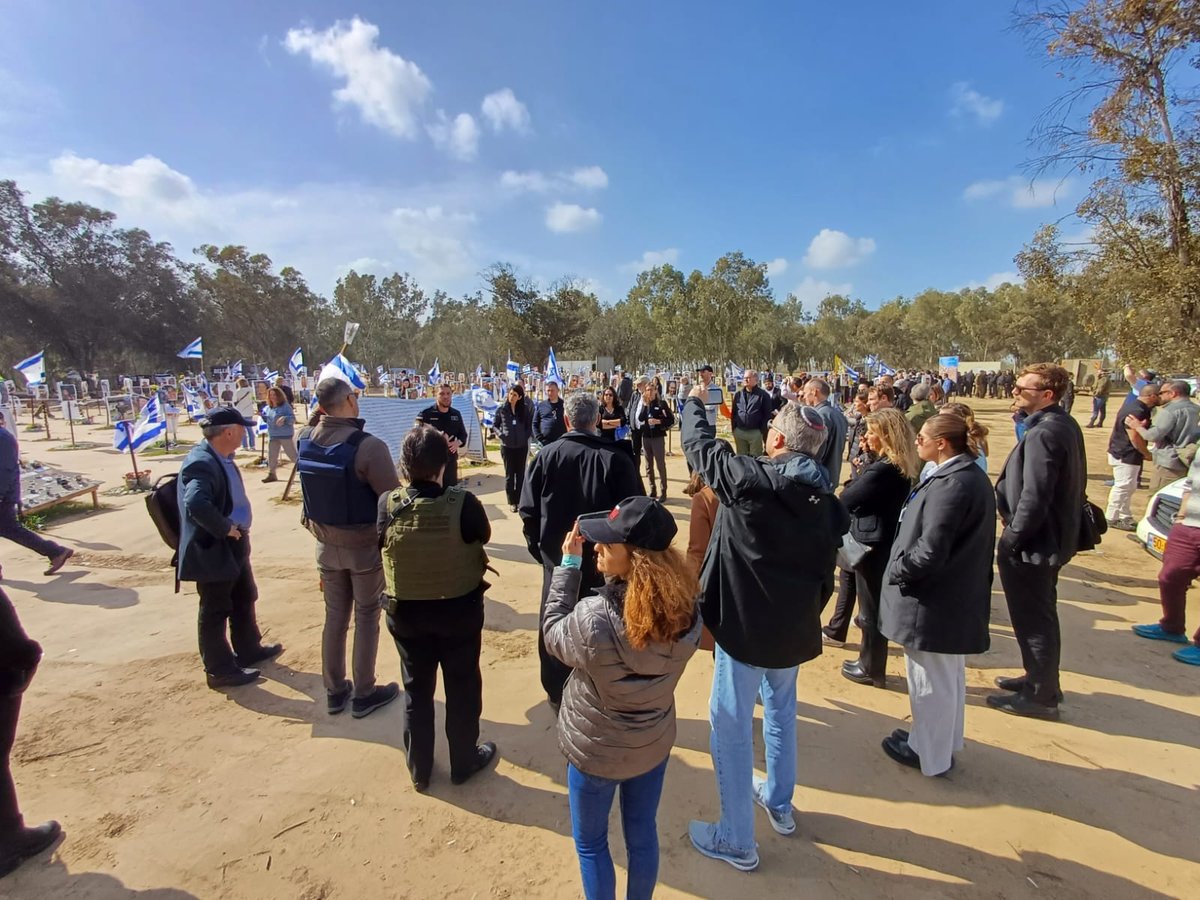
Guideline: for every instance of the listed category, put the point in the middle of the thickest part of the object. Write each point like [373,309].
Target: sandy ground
[169,790]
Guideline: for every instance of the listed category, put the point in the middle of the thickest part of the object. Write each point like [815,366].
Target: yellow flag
[837,364]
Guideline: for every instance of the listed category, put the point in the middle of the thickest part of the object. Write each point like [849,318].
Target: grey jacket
[617,718]
[1174,426]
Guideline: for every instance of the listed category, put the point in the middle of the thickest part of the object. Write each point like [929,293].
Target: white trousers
[937,693]
[1125,481]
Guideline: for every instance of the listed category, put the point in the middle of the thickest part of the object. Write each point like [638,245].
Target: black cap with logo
[639,521]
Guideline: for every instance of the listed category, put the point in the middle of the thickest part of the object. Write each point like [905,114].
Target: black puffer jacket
[617,718]
[772,548]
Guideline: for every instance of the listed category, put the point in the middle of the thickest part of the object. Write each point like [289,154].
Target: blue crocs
[1189,655]
[1155,633]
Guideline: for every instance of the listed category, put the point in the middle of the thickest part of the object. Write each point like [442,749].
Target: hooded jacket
[617,718]
[773,546]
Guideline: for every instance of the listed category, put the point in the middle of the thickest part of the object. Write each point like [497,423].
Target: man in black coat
[1040,499]
[579,473]
[214,552]
[449,421]
[625,389]
[761,600]
[19,658]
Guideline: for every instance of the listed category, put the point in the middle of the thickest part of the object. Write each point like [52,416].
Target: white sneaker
[782,822]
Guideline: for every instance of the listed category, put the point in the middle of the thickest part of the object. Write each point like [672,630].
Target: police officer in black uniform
[448,421]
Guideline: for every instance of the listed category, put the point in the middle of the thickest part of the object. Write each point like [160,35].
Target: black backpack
[162,503]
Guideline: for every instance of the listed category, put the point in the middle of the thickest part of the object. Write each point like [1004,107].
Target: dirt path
[168,790]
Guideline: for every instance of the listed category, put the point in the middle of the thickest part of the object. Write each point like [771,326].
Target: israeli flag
[486,404]
[194,350]
[340,367]
[235,371]
[552,373]
[527,369]
[34,368]
[296,361]
[149,425]
[513,369]
[872,360]
[736,371]
[270,374]
[435,374]
[262,424]
[850,373]
[885,369]
[191,400]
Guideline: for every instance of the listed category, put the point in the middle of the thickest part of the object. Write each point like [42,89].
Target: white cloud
[503,110]
[966,101]
[996,279]
[832,249]
[777,266]
[387,89]
[1018,192]
[651,259]
[533,181]
[591,177]
[458,136]
[810,292]
[147,183]
[567,217]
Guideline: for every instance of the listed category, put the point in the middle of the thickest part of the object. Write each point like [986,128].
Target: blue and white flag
[296,361]
[552,373]
[872,360]
[235,371]
[340,367]
[435,374]
[191,401]
[527,369]
[34,368]
[850,373]
[479,374]
[736,371]
[885,369]
[149,425]
[262,424]
[486,404]
[270,374]
[194,350]
[512,368]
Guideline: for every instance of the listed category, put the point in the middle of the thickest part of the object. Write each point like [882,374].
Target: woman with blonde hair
[627,646]
[874,500]
[977,432]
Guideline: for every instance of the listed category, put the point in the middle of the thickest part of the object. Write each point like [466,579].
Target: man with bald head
[751,415]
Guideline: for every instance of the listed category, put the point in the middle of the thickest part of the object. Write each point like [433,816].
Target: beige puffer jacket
[618,711]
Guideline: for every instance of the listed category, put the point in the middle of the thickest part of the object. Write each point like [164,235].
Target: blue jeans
[731,712]
[591,800]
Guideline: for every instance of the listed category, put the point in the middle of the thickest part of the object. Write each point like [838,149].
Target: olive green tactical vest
[424,555]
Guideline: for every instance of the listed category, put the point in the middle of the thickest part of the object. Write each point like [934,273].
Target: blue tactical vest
[333,493]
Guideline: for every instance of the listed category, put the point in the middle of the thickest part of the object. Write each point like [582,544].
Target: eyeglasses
[1018,388]
[921,439]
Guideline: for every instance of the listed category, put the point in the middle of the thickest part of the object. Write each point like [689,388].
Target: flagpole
[132,456]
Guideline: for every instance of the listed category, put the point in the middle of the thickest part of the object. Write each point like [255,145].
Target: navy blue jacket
[10,468]
[548,422]
[206,552]
[752,410]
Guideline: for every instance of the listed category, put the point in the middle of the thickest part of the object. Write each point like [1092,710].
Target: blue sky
[873,148]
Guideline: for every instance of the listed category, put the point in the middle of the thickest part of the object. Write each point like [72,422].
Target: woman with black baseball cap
[627,645]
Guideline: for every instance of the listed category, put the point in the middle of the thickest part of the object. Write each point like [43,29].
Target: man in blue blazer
[214,551]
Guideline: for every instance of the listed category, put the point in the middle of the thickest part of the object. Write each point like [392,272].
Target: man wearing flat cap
[214,551]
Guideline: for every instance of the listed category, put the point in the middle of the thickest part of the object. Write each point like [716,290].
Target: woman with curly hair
[627,646]
[874,500]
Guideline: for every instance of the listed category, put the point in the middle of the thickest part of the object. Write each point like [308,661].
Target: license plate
[1157,544]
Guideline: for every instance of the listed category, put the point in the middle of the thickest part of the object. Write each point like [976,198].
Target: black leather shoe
[853,670]
[236,678]
[420,786]
[336,702]
[484,754]
[27,843]
[900,734]
[1017,685]
[262,654]
[1020,705]
[380,697]
[899,750]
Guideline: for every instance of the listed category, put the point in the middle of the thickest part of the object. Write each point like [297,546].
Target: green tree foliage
[1130,124]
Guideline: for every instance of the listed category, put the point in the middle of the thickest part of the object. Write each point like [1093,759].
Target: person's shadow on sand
[42,877]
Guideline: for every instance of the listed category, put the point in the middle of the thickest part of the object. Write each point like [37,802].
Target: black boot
[26,843]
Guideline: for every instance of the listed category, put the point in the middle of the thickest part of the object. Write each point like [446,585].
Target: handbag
[1092,526]
[852,552]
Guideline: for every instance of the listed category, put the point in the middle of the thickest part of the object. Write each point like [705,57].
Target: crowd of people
[884,487]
